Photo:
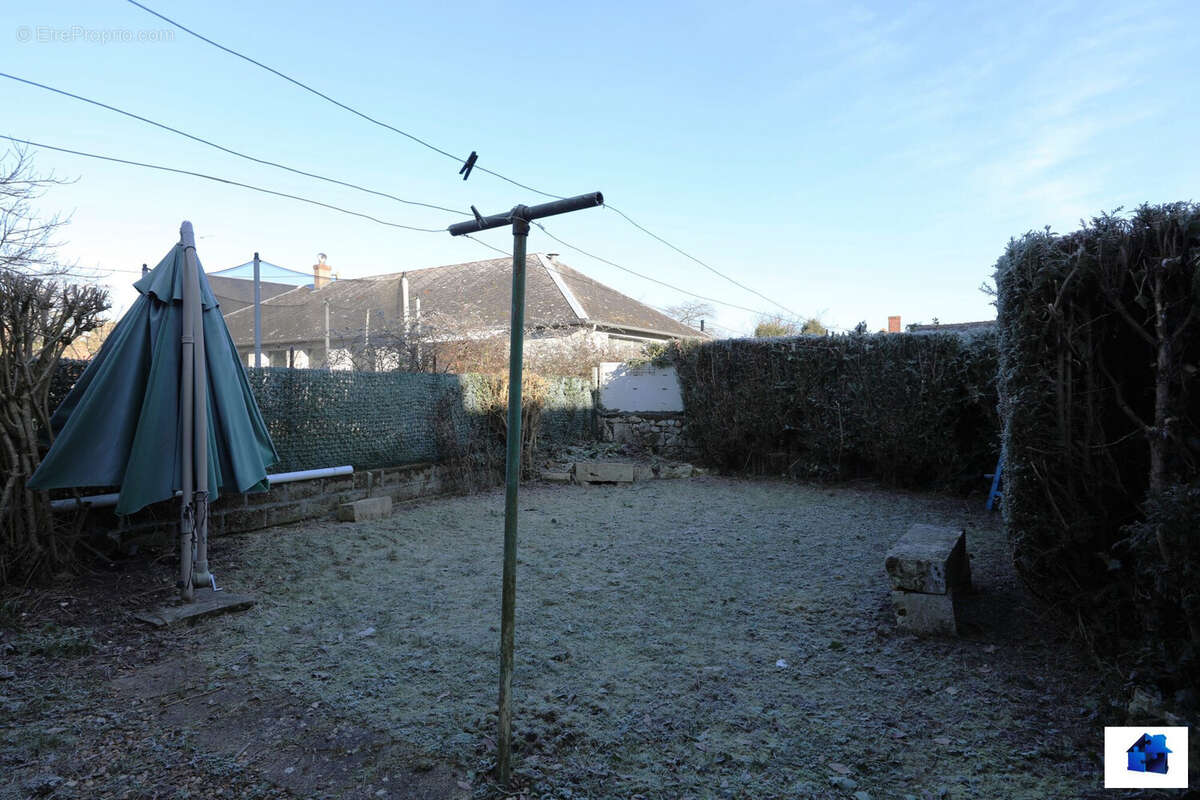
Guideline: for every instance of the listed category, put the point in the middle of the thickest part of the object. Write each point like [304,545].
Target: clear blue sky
[847,160]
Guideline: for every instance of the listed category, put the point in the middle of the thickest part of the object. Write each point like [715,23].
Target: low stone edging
[283,504]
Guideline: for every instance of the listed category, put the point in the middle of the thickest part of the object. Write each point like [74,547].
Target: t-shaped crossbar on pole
[519,218]
[528,213]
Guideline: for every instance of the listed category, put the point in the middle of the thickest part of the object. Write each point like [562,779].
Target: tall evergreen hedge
[1101,428]
[908,410]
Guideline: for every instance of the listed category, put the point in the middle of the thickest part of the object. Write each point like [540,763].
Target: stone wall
[660,433]
[285,503]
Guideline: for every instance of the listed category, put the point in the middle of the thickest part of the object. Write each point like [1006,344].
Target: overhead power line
[707,266]
[642,275]
[332,207]
[447,154]
[229,150]
[329,99]
[227,181]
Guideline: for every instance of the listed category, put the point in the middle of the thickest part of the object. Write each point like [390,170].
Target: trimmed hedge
[915,411]
[1101,429]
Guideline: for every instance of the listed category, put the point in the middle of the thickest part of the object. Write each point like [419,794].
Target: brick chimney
[321,272]
[894,324]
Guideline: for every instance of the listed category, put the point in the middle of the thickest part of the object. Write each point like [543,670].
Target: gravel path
[653,622]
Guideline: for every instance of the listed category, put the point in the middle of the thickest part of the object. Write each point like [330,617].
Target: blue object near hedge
[994,493]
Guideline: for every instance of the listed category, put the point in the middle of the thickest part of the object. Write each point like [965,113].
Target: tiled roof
[474,297]
[606,306]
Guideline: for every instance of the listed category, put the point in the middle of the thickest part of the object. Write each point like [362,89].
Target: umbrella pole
[186,419]
[200,575]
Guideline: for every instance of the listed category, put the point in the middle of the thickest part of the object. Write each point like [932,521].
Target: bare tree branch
[41,311]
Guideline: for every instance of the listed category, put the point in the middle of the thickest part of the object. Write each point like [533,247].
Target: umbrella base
[207,603]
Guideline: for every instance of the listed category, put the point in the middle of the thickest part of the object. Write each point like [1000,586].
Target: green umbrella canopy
[120,424]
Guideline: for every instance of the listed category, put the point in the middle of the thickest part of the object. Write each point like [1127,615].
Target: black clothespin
[478,216]
[465,171]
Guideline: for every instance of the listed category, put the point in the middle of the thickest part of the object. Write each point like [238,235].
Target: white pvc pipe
[309,474]
[94,501]
[103,500]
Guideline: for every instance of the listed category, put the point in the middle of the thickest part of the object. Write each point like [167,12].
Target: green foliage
[55,641]
[63,379]
[1098,395]
[771,327]
[813,326]
[774,327]
[10,613]
[913,411]
[1166,601]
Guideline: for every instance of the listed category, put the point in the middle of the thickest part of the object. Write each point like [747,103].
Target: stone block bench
[927,568]
[589,472]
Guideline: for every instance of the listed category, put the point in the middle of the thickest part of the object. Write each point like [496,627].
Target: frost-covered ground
[652,620]
[712,637]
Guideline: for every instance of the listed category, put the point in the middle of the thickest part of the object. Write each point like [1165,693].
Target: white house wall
[339,358]
[644,389]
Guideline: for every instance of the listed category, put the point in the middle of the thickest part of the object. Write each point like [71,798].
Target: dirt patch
[98,705]
[710,637]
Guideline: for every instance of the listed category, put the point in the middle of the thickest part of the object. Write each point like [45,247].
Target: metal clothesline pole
[257,313]
[519,217]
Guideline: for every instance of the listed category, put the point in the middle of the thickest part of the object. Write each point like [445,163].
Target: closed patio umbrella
[164,407]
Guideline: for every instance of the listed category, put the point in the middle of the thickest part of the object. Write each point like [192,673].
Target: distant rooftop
[475,295]
[961,328]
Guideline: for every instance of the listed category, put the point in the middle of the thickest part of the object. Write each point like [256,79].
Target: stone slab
[929,559]
[365,509]
[592,472]
[648,472]
[206,603]
[925,614]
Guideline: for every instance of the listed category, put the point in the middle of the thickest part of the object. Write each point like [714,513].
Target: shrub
[39,317]
[1100,415]
[907,410]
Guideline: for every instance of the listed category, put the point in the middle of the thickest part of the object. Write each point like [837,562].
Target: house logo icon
[1143,764]
[1149,754]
